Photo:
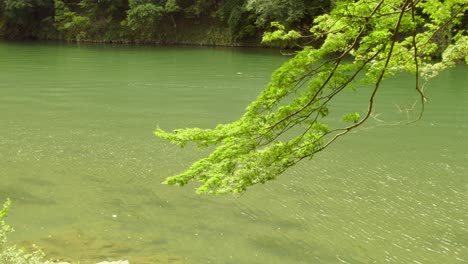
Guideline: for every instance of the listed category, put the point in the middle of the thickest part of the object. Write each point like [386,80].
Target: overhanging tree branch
[284,125]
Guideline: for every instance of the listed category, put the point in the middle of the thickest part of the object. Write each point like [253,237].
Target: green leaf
[351,117]
[5,208]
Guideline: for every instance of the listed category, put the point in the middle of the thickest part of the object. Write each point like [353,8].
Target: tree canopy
[150,20]
[363,41]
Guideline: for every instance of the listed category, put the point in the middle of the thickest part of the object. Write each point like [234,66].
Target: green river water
[80,162]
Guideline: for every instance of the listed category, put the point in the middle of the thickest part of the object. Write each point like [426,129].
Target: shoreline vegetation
[226,23]
[234,23]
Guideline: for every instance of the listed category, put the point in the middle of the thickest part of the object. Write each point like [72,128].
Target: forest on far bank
[204,22]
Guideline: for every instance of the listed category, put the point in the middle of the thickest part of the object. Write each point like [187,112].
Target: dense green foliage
[157,21]
[286,12]
[364,42]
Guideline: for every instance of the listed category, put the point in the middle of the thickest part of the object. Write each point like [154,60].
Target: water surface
[80,162]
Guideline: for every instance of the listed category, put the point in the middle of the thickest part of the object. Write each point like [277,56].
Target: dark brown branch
[416,63]
[377,85]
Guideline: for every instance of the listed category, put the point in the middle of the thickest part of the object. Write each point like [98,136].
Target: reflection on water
[83,168]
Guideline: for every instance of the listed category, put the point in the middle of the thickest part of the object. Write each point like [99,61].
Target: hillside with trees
[211,22]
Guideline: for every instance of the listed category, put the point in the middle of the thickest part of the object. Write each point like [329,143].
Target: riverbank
[202,36]
[219,23]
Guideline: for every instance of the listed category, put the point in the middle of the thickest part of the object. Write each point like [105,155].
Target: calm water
[80,162]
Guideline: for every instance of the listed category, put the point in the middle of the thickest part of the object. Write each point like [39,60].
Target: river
[80,162]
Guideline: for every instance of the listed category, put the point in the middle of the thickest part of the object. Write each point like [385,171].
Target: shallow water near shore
[80,162]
